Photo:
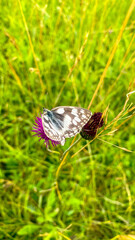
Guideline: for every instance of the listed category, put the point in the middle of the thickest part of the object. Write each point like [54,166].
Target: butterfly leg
[49,150]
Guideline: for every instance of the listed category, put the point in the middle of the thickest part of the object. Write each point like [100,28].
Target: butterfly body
[64,122]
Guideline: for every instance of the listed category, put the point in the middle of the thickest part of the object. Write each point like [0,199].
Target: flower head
[89,130]
[38,129]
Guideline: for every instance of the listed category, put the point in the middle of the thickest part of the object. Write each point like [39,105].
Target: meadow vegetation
[70,53]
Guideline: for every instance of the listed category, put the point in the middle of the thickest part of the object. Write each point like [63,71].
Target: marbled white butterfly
[64,122]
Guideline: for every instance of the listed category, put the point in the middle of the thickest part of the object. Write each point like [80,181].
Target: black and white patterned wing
[53,125]
[73,119]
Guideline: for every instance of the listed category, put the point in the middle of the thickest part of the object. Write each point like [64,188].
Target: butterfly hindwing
[74,119]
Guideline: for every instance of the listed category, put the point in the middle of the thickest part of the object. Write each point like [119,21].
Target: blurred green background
[54,53]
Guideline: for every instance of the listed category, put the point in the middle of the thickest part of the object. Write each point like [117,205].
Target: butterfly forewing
[64,122]
[51,129]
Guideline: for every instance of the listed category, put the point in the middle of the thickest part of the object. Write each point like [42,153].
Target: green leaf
[28,229]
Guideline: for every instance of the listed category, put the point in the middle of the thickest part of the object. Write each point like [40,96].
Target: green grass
[60,60]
